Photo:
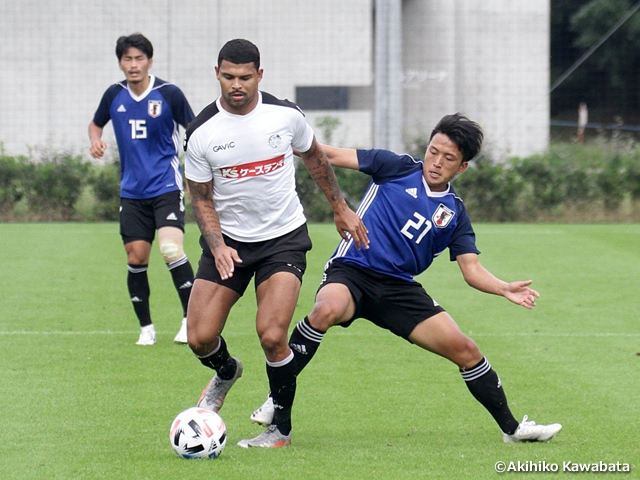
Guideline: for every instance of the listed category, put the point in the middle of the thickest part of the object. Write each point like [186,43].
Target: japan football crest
[155,108]
[442,216]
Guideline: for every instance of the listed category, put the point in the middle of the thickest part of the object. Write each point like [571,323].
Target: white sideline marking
[91,332]
[554,334]
[338,332]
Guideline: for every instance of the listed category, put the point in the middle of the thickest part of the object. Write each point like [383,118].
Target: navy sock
[484,384]
[182,275]
[138,285]
[282,381]
[304,342]
[220,361]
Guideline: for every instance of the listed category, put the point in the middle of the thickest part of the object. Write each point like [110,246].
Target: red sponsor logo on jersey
[253,169]
[442,216]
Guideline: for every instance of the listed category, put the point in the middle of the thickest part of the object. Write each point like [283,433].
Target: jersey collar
[435,194]
[152,82]
[222,110]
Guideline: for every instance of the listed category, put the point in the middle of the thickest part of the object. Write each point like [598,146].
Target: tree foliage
[609,80]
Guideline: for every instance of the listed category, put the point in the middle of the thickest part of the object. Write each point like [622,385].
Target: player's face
[135,64]
[238,86]
[442,162]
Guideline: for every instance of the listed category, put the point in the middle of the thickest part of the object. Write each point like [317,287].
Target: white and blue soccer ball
[198,433]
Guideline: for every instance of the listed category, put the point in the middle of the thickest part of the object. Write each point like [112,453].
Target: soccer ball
[198,433]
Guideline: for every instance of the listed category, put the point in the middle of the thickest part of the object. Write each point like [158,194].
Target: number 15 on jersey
[138,129]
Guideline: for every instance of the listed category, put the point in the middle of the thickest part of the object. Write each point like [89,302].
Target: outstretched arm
[482,279]
[209,224]
[341,157]
[346,220]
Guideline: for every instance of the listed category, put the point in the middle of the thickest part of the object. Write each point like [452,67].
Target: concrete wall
[57,57]
[488,59]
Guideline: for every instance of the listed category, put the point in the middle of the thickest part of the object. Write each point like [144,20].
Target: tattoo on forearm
[205,213]
[321,172]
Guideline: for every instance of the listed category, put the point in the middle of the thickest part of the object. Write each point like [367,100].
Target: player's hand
[348,224]
[97,149]
[520,294]
[226,258]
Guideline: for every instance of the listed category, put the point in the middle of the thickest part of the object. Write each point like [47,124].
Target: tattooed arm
[347,222]
[209,224]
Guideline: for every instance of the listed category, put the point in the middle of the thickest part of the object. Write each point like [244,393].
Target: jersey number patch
[138,129]
[420,224]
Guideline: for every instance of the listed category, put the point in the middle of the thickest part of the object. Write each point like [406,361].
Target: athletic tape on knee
[170,241]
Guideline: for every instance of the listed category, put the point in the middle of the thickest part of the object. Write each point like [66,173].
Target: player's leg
[334,305]
[208,309]
[138,286]
[170,242]
[169,219]
[278,278]
[277,297]
[441,335]
[137,231]
[209,305]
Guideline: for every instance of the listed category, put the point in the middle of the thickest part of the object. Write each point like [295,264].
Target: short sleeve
[103,114]
[384,165]
[464,238]
[180,108]
[302,134]
[196,166]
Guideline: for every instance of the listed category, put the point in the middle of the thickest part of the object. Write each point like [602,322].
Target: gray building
[488,59]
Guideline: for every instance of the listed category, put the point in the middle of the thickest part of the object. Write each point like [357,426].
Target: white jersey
[250,160]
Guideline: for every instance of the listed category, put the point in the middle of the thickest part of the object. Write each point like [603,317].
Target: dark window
[322,98]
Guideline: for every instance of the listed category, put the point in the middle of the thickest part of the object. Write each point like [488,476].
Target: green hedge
[568,183]
[598,182]
[49,186]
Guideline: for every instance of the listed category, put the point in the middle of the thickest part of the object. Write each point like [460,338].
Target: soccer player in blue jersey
[412,215]
[146,113]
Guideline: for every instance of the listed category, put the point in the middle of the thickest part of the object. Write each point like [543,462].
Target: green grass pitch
[80,401]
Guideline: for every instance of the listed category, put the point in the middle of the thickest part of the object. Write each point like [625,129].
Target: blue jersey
[409,225]
[146,130]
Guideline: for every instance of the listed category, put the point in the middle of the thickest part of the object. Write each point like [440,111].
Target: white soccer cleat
[147,336]
[530,432]
[264,414]
[214,393]
[270,438]
[181,336]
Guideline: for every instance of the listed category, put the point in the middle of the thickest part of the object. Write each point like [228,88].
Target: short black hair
[240,51]
[135,40]
[465,133]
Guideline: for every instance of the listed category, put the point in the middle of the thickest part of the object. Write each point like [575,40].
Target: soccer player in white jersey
[240,170]
[413,214]
[146,112]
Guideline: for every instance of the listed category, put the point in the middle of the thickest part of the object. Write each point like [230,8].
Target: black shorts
[139,219]
[262,259]
[391,303]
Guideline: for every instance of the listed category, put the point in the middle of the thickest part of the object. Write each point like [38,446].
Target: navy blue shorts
[139,219]
[287,253]
[391,303]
